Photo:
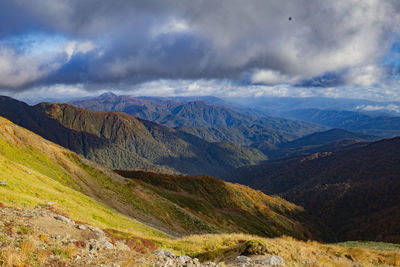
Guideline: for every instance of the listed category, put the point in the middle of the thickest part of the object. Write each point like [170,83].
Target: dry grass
[294,252]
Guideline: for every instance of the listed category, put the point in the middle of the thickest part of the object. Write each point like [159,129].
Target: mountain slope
[355,191]
[210,122]
[327,141]
[38,171]
[36,121]
[135,143]
[118,140]
[353,121]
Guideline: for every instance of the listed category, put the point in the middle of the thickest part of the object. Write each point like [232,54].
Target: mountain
[59,209]
[386,126]
[136,143]
[354,191]
[327,141]
[37,171]
[279,106]
[212,122]
[120,141]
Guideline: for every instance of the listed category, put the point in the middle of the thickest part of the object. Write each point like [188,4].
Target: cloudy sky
[341,48]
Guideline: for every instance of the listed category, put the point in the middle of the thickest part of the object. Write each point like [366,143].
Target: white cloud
[19,69]
[74,47]
[173,25]
[273,77]
[388,107]
[365,76]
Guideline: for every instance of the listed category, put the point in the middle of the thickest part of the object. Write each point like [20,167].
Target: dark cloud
[327,43]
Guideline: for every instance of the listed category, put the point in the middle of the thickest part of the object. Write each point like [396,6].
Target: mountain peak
[107,94]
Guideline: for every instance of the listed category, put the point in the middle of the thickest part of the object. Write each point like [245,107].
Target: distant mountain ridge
[355,191]
[120,141]
[386,126]
[211,122]
[327,141]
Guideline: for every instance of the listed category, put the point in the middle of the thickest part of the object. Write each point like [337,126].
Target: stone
[3,183]
[274,261]
[81,227]
[164,253]
[183,259]
[50,203]
[242,259]
[63,219]
[95,229]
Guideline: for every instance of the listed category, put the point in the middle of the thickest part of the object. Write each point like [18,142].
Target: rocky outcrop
[44,237]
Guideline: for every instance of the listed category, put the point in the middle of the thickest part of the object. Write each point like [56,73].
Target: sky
[299,48]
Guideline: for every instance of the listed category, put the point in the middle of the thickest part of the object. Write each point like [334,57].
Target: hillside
[135,143]
[141,199]
[118,140]
[57,209]
[355,191]
[327,141]
[211,122]
[386,126]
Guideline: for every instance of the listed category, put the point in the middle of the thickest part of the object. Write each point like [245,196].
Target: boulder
[164,253]
[242,259]
[273,261]
[184,259]
[63,219]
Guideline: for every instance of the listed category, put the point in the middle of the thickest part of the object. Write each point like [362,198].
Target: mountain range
[381,125]
[37,171]
[49,196]
[354,191]
[120,141]
[212,122]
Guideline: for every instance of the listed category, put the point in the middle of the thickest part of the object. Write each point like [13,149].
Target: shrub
[254,247]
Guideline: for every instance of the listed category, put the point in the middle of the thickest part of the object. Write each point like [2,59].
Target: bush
[254,247]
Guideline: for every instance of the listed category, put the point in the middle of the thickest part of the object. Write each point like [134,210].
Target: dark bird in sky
[290,18]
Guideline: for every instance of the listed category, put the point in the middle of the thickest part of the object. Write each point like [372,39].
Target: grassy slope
[178,213]
[38,171]
[34,178]
[230,207]
[135,143]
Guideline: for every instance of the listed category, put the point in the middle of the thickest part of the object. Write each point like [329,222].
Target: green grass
[38,172]
[370,245]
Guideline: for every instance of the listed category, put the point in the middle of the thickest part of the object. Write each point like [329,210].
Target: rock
[63,219]
[95,229]
[273,261]
[81,227]
[242,259]
[164,253]
[50,203]
[3,183]
[104,243]
[184,259]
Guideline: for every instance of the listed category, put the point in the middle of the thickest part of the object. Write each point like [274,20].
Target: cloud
[18,70]
[74,47]
[273,77]
[122,43]
[388,107]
